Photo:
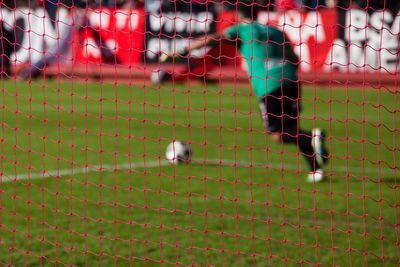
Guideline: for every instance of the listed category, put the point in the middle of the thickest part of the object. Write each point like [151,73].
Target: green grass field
[84,181]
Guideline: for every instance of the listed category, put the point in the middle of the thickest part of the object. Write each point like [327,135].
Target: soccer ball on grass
[178,152]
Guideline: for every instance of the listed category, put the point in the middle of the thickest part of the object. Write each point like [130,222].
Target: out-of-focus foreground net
[84,128]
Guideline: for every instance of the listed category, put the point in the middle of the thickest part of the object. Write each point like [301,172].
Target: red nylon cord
[89,107]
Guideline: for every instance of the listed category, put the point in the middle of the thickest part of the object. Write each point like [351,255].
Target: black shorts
[281,108]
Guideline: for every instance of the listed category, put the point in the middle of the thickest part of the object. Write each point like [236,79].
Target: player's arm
[212,40]
[208,40]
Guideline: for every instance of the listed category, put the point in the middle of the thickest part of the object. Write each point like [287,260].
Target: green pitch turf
[84,181]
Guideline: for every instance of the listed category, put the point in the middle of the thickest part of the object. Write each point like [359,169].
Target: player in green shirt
[273,71]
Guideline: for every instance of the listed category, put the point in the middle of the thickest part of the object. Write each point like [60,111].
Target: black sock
[303,140]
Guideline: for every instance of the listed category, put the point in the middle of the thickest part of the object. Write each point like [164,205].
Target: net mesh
[89,108]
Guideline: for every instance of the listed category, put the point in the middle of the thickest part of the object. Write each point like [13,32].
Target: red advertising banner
[326,40]
[113,35]
[312,34]
[117,35]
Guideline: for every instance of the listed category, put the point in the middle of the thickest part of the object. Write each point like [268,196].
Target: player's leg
[194,68]
[293,133]
[310,143]
[280,115]
[280,112]
[191,68]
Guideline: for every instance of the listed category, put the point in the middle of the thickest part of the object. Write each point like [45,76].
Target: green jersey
[268,54]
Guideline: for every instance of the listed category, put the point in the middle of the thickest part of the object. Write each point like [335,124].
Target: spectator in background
[6,48]
[7,41]
[56,52]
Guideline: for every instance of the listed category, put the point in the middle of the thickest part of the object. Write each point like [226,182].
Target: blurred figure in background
[57,49]
[7,40]
[6,48]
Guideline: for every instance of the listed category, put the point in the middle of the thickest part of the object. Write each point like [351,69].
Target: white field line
[89,169]
[159,163]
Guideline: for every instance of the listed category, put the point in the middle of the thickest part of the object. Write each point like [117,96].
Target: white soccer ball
[178,152]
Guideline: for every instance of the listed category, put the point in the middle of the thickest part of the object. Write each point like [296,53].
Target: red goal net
[198,133]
